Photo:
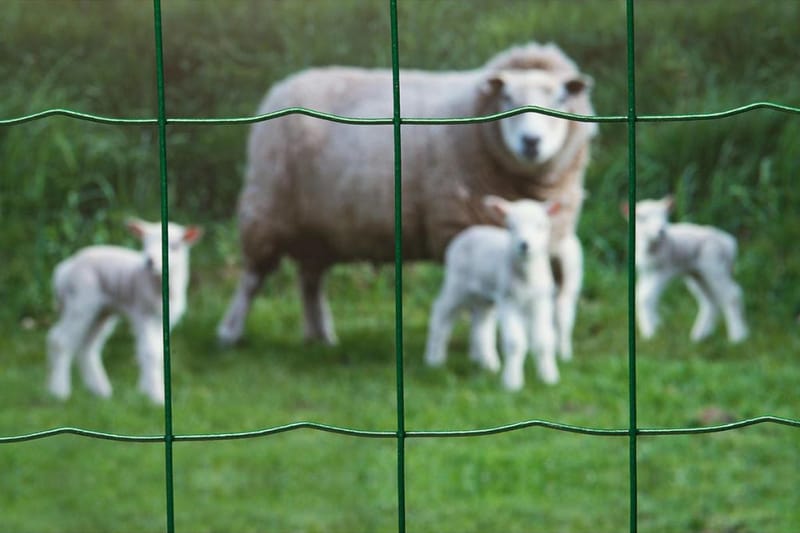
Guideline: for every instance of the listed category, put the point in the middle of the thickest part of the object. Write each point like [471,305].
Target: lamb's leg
[150,355]
[542,339]
[230,329]
[440,325]
[318,320]
[727,295]
[91,363]
[513,333]
[64,339]
[570,258]
[707,311]
[649,287]
[483,337]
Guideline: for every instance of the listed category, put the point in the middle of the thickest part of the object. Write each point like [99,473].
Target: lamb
[97,284]
[488,268]
[702,255]
[322,192]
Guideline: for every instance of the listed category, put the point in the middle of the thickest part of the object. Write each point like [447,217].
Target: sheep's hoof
[434,361]
[227,338]
[513,383]
[59,392]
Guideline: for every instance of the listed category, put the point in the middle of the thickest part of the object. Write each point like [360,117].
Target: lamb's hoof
[565,353]
[738,337]
[227,338]
[549,378]
[434,361]
[59,392]
[492,365]
[513,383]
[102,391]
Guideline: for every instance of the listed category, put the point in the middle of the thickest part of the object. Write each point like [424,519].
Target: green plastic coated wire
[632,432]
[388,121]
[162,157]
[398,271]
[632,422]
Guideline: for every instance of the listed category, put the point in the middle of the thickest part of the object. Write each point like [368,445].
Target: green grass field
[66,184]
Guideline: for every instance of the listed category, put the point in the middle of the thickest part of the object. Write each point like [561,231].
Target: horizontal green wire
[411,434]
[406,120]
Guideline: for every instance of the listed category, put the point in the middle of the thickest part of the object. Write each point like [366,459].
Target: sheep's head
[651,219]
[179,240]
[528,222]
[534,139]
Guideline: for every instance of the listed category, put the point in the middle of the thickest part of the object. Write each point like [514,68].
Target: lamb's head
[179,240]
[528,223]
[651,219]
[533,139]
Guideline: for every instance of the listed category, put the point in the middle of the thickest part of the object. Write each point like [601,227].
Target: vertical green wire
[398,270]
[633,424]
[162,155]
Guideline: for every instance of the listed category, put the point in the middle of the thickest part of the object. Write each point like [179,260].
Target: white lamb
[99,283]
[505,271]
[702,255]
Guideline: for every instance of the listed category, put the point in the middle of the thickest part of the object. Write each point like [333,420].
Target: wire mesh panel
[400,434]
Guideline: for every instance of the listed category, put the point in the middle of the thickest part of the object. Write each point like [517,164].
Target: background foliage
[65,184]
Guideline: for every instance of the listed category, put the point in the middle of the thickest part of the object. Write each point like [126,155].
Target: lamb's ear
[624,209]
[137,226]
[669,202]
[578,85]
[498,207]
[552,207]
[492,85]
[192,234]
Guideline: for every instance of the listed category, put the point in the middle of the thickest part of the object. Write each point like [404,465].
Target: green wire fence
[633,432]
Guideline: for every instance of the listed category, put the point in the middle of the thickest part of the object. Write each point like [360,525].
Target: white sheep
[97,284]
[322,192]
[488,268]
[702,255]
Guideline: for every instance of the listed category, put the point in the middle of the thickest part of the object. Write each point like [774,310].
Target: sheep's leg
[513,333]
[707,310]
[150,355]
[649,287]
[728,296]
[318,320]
[230,329]
[65,338]
[542,339]
[570,257]
[483,337]
[440,325]
[91,363]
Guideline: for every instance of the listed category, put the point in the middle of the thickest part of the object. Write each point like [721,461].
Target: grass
[66,184]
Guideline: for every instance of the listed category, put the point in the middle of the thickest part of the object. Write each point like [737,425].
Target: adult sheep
[322,192]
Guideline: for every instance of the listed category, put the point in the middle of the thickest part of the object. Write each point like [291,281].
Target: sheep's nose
[149,264]
[530,146]
[524,247]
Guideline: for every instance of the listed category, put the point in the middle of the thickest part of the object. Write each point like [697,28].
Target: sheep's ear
[624,209]
[553,207]
[578,85]
[497,206]
[192,234]
[669,202]
[492,85]
[136,226]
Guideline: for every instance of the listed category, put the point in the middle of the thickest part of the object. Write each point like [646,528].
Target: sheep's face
[651,219]
[528,223]
[179,240]
[534,138]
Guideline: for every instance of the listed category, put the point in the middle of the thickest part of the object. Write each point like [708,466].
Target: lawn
[67,183]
